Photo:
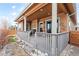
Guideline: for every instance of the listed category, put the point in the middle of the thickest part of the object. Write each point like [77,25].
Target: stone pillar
[25,22]
[54,18]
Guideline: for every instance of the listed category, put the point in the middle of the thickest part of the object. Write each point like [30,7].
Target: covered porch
[38,18]
[51,33]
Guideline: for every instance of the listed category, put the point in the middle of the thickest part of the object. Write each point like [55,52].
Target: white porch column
[54,18]
[25,22]
[54,28]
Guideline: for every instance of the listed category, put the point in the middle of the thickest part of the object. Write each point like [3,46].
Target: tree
[3,32]
[4,24]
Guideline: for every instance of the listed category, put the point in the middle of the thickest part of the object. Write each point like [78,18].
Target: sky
[10,11]
[77,8]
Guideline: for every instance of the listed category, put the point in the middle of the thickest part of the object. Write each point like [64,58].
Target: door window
[49,26]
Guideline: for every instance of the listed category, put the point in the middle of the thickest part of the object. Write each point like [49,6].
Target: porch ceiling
[69,7]
[66,8]
[41,13]
[61,8]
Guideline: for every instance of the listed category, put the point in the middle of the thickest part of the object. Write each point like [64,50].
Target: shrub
[12,39]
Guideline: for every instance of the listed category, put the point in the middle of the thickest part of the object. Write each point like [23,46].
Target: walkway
[13,50]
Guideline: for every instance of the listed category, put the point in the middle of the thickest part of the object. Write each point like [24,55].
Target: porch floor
[70,50]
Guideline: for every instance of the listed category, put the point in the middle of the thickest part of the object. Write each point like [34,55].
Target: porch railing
[25,35]
[48,43]
[52,44]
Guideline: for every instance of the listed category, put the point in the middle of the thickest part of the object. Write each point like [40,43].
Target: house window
[48,26]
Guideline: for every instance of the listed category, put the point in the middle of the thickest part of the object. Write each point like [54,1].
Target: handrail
[53,33]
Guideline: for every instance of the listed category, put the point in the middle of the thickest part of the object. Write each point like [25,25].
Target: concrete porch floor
[70,50]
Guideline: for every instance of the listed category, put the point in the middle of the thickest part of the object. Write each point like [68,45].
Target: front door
[49,26]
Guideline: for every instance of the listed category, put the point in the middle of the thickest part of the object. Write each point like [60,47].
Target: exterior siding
[63,22]
[34,24]
[43,20]
[20,26]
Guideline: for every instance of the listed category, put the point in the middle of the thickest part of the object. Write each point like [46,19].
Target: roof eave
[23,11]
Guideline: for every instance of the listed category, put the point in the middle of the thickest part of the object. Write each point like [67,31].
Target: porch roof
[67,8]
[37,11]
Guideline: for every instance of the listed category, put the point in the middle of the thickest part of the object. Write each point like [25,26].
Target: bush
[12,39]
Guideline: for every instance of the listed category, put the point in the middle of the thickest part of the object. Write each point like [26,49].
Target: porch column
[54,28]
[54,18]
[25,22]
